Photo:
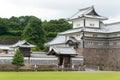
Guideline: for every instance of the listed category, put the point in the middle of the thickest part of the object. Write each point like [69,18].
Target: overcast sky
[55,9]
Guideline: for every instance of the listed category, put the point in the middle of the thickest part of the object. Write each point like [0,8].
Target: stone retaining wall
[10,67]
[9,41]
[106,59]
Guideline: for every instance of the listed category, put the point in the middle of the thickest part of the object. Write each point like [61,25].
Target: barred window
[78,24]
[92,25]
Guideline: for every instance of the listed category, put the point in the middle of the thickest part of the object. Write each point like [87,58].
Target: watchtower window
[92,25]
[78,24]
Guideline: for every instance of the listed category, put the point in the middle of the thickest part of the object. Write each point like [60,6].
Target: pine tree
[18,59]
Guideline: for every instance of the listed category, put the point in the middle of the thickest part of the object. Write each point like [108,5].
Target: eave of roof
[65,50]
[59,39]
[22,44]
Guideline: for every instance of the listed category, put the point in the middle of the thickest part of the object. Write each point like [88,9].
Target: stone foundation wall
[105,59]
[113,59]
[10,67]
[9,41]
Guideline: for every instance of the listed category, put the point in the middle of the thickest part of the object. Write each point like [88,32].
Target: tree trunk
[17,68]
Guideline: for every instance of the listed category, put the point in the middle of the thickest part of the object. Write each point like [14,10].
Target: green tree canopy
[53,27]
[32,29]
[3,26]
[34,33]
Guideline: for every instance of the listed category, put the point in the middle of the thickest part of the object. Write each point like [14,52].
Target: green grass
[9,36]
[59,75]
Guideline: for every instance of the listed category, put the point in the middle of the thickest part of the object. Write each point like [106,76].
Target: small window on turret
[115,35]
[91,24]
[78,24]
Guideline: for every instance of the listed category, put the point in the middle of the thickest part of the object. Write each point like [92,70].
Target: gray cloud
[66,8]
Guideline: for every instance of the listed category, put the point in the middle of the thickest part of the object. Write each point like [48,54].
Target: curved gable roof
[88,12]
[23,43]
[63,51]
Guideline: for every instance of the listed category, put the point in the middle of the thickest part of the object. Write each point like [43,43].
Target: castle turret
[87,17]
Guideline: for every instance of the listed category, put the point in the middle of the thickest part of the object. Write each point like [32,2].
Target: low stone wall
[7,67]
[10,67]
[44,64]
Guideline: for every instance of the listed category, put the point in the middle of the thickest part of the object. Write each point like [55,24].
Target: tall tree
[3,26]
[34,33]
[53,27]
[18,59]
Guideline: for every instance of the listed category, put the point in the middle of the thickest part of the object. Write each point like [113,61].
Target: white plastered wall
[88,22]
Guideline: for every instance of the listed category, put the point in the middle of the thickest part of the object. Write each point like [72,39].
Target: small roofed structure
[64,55]
[24,47]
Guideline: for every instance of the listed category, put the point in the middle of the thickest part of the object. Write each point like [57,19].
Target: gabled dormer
[87,17]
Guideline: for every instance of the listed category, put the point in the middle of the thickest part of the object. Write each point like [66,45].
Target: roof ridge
[89,12]
[112,23]
[74,14]
[90,7]
[71,29]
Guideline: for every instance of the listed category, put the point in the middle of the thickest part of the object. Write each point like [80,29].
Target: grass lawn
[59,75]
